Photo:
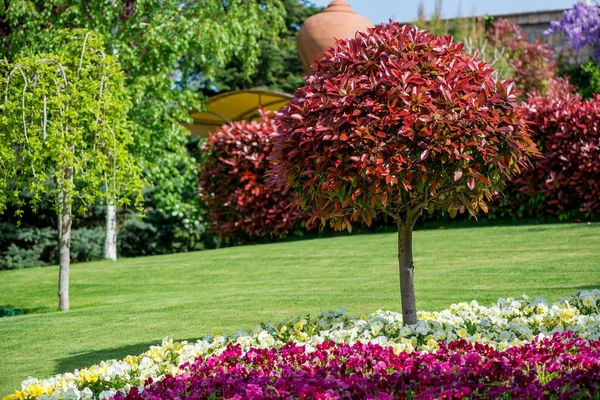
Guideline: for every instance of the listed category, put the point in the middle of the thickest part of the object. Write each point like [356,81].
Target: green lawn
[122,308]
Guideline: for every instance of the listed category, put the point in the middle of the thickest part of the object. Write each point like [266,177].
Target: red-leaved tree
[400,121]
[566,181]
[240,206]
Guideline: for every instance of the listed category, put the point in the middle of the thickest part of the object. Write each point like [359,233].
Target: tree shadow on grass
[581,287]
[86,359]
[10,310]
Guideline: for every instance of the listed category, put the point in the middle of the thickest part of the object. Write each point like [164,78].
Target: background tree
[240,206]
[164,47]
[279,67]
[399,121]
[64,121]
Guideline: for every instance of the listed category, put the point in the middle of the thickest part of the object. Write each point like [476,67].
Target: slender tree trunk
[64,249]
[110,243]
[407,282]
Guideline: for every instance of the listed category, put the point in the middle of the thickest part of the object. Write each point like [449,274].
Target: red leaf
[471,183]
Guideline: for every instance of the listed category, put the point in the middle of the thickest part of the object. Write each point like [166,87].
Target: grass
[123,307]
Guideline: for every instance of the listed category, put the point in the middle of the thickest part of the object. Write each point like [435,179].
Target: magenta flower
[559,367]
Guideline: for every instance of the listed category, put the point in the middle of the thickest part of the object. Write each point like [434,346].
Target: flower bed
[561,365]
[508,323]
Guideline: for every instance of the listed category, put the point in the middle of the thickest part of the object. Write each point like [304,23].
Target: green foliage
[10,311]
[27,247]
[164,46]
[87,244]
[17,257]
[65,114]
[279,67]
[158,233]
[585,76]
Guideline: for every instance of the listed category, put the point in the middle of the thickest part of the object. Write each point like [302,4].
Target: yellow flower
[88,375]
[462,333]
[18,395]
[300,324]
[528,309]
[425,316]
[35,390]
[432,343]
[566,313]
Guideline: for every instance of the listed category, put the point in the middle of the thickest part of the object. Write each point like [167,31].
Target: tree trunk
[110,243]
[64,249]
[407,282]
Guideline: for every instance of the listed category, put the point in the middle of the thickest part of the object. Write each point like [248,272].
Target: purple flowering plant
[558,367]
[581,25]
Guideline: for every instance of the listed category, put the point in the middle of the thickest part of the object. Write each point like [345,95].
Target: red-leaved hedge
[566,181]
[240,206]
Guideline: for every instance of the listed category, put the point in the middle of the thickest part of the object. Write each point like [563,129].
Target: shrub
[565,182]
[240,206]
[586,77]
[26,247]
[87,244]
[399,121]
[532,63]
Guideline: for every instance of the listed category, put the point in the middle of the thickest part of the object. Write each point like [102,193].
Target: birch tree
[64,130]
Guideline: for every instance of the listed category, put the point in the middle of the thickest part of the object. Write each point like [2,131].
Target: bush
[87,244]
[158,233]
[565,182]
[240,206]
[585,77]
[532,62]
[26,247]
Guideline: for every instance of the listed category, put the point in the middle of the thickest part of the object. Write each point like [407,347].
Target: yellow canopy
[234,106]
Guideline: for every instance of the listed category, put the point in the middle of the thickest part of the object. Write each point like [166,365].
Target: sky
[406,10]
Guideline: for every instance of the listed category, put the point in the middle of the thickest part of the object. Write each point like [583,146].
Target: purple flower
[581,25]
[563,366]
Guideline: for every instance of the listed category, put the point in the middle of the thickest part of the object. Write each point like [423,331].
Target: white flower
[265,339]
[87,394]
[106,395]
[588,301]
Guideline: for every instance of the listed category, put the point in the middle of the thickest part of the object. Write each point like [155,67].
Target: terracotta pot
[318,33]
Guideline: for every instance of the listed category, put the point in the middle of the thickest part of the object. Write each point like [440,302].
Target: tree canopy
[279,67]
[164,46]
